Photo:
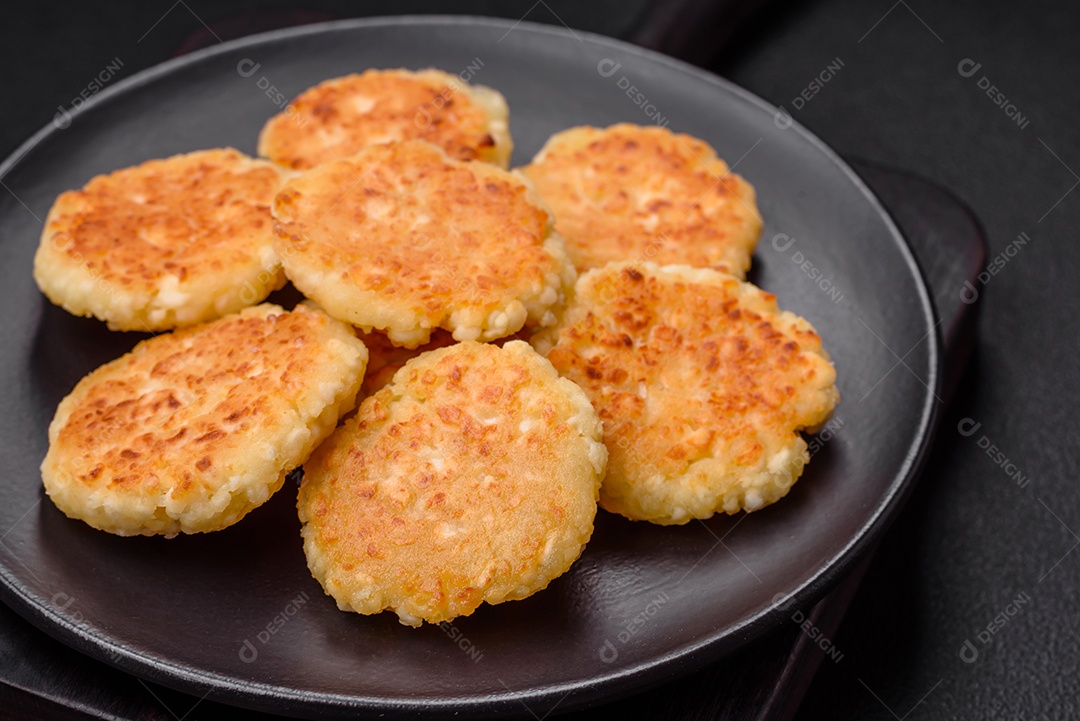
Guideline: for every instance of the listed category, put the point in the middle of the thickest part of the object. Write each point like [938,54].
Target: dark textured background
[971,540]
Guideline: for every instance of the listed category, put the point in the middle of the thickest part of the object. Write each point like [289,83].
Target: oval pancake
[193,429]
[471,478]
[639,193]
[163,244]
[702,384]
[342,116]
[403,239]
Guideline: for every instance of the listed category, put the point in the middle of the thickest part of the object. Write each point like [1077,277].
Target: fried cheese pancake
[163,244]
[342,116]
[192,430]
[640,193]
[403,239]
[471,478]
[702,383]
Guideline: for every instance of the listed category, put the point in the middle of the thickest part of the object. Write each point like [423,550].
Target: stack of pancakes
[657,384]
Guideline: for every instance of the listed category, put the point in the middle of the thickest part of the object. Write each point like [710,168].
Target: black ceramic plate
[235,614]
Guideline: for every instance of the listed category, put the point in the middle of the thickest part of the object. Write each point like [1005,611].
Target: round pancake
[339,117]
[630,192]
[164,244]
[403,239]
[702,384]
[471,478]
[193,429]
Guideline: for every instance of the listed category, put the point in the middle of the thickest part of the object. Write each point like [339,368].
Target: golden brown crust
[638,193]
[165,243]
[471,478]
[191,430]
[403,239]
[342,116]
[702,384]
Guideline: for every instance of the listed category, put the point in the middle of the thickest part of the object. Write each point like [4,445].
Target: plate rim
[598,688]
